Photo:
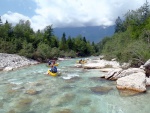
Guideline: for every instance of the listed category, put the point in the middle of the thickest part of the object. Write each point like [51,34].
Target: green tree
[1,23]
[48,33]
[70,43]
[119,25]
[43,51]
[27,50]
[63,43]
[145,11]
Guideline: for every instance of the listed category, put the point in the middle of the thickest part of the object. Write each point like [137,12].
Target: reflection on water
[29,90]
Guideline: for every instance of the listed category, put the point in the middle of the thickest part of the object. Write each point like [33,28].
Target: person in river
[54,62]
[80,61]
[49,62]
[53,69]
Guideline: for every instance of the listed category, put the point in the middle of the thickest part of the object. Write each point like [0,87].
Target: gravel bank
[12,61]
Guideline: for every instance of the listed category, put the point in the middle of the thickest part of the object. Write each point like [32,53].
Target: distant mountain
[92,33]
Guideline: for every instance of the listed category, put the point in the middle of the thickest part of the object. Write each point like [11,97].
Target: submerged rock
[32,92]
[1,105]
[24,104]
[62,111]
[62,100]
[84,102]
[101,89]
[127,92]
[72,80]
[11,111]
[97,79]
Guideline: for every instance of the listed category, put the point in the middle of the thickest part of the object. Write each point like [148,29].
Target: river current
[77,90]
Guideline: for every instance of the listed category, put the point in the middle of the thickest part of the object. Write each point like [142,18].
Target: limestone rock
[147,68]
[113,74]
[135,81]
[32,92]
[8,69]
[118,73]
[99,64]
[147,81]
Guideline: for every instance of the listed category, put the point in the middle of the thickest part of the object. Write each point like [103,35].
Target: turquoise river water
[77,90]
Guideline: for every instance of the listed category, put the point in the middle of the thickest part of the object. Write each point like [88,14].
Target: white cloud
[14,18]
[63,13]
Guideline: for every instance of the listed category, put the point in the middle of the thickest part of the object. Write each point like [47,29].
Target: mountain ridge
[91,33]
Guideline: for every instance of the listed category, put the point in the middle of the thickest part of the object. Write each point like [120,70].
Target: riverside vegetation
[130,43]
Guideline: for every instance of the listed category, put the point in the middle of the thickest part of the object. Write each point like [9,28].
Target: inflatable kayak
[82,62]
[52,74]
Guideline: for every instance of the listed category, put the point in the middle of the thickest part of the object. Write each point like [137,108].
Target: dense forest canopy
[41,45]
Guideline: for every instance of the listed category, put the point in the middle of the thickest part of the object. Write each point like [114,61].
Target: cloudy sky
[66,13]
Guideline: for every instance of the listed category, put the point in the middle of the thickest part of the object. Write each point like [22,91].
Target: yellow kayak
[52,74]
[56,64]
[82,62]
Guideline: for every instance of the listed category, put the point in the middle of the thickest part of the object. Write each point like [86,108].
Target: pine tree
[145,12]
[119,25]
[1,21]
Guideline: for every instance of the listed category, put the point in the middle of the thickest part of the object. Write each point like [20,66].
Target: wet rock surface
[126,93]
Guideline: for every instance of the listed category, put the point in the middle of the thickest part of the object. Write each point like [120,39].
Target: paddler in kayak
[53,69]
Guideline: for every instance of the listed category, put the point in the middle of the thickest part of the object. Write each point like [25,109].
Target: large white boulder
[147,68]
[135,81]
[147,63]
[99,64]
[147,81]
[113,74]
[8,69]
[130,71]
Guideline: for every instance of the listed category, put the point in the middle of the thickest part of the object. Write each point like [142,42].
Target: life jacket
[55,69]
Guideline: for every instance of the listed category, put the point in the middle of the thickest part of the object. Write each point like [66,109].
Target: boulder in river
[135,81]
[147,68]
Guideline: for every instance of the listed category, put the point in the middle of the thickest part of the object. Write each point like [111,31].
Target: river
[77,90]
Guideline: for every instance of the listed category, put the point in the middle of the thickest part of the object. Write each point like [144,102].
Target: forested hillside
[131,41]
[92,33]
[41,45]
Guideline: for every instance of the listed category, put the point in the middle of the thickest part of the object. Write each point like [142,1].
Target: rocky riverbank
[12,61]
[128,78]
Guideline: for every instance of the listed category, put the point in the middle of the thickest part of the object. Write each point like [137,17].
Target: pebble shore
[13,61]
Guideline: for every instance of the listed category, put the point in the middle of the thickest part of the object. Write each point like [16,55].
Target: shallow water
[29,90]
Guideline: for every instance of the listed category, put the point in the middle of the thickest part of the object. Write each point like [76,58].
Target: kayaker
[80,61]
[54,62]
[53,69]
[49,62]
